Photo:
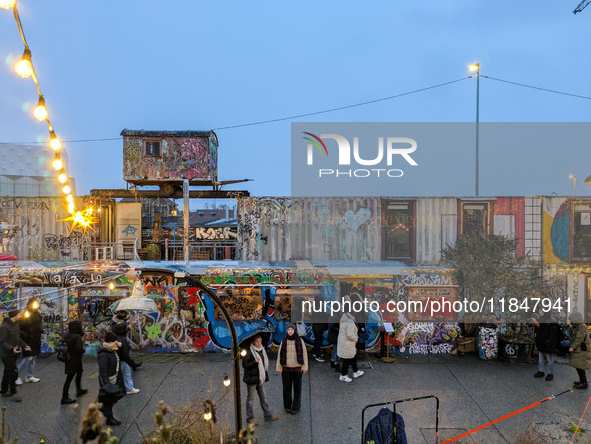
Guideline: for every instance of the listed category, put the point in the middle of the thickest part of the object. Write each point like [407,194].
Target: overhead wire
[537,87]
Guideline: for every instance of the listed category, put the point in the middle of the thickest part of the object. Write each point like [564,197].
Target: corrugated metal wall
[273,229]
[435,227]
[31,230]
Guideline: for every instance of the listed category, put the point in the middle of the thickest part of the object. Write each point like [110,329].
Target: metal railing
[110,251]
[199,251]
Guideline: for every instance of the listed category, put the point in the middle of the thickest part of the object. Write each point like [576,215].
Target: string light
[40,112]
[70,199]
[227,381]
[24,67]
[62,177]
[7,4]
[66,189]
[57,163]
[54,143]
[243,353]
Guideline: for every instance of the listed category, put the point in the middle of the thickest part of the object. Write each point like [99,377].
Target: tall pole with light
[476,69]
[574,178]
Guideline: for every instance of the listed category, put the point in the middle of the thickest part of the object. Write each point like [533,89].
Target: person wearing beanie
[74,365]
[31,331]
[109,374]
[292,363]
[11,344]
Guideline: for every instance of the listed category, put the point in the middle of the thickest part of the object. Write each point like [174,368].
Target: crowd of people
[20,333]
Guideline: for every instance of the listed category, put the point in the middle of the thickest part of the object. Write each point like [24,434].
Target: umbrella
[245,342]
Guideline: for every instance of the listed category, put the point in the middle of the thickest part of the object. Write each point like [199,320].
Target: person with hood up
[120,317]
[346,348]
[74,365]
[256,373]
[292,363]
[548,333]
[11,344]
[127,363]
[31,330]
[109,375]
[580,349]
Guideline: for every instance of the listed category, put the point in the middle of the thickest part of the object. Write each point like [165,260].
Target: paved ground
[471,391]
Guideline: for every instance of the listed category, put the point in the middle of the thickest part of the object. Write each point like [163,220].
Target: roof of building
[174,133]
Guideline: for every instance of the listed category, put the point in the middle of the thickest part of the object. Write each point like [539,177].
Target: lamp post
[574,178]
[195,282]
[476,68]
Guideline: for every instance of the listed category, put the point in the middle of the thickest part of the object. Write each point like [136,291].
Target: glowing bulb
[54,143]
[475,67]
[70,199]
[24,68]
[207,416]
[35,305]
[243,353]
[71,208]
[111,286]
[57,163]
[227,381]
[27,314]
[66,189]
[62,177]
[7,4]
[40,112]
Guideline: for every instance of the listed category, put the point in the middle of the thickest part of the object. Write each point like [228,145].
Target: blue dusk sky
[106,66]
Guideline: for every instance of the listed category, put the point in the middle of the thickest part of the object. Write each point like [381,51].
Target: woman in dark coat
[256,373]
[109,373]
[74,366]
[31,332]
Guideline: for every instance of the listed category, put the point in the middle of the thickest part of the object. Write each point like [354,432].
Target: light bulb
[24,68]
[243,353]
[7,4]
[62,177]
[54,143]
[111,286]
[35,305]
[207,416]
[40,112]
[57,163]
[227,381]
[71,208]
[66,189]
[70,199]
[27,314]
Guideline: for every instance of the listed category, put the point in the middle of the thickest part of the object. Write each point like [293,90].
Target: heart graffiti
[355,219]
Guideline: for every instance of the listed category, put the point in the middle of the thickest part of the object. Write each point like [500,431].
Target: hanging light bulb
[243,353]
[66,189]
[35,305]
[27,314]
[40,112]
[7,4]
[57,163]
[24,68]
[71,208]
[55,143]
[227,381]
[62,177]
[111,286]
[70,199]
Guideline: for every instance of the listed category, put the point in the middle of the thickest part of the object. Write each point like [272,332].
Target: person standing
[74,365]
[346,348]
[580,349]
[319,326]
[124,352]
[361,319]
[292,364]
[333,338]
[109,376]
[31,330]
[11,344]
[548,332]
[256,373]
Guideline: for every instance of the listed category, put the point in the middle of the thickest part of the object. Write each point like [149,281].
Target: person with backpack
[31,330]
[72,357]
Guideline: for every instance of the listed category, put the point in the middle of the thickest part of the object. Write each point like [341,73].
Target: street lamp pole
[574,178]
[476,68]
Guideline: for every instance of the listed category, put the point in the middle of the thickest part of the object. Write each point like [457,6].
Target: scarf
[263,361]
[298,346]
[110,346]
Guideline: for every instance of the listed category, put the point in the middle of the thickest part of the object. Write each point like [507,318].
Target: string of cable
[25,69]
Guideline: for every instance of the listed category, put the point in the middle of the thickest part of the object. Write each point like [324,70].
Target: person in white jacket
[346,347]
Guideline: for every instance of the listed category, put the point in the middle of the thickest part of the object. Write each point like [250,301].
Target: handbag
[301,329]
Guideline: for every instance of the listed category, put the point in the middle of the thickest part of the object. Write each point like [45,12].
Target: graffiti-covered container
[153,157]
[488,343]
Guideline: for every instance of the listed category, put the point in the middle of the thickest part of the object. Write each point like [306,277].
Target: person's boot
[112,421]
[539,375]
[67,400]
[81,392]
